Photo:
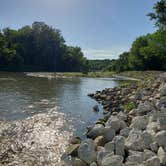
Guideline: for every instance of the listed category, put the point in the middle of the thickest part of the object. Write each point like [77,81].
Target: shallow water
[63,102]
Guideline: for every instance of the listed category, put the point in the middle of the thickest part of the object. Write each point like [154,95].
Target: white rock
[110,146]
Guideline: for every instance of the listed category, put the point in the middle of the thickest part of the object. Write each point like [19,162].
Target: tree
[159,14]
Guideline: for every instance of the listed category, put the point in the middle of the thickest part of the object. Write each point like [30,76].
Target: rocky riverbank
[132,131]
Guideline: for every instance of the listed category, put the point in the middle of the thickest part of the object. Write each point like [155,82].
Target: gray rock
[162,156]
[114,123]
[122,116]
[73,161]
[147,139]
[139,122]
[72,149]
[112,160]
[154,147]
[122,124]
[163,91]
[97,130]
[110,147]
[152,128]
[161,122]
[154,161]
[147,154]
[145,107]
[134,140]
[119,145]
[161,138]
[108,133]
[96,108]
[101,154]
[87,151]
[75,140]
[93,164]
[137,158]
[125,132]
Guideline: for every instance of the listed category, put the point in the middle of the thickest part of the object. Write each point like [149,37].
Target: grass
[129,106]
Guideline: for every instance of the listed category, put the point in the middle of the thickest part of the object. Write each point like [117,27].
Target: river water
[58,108]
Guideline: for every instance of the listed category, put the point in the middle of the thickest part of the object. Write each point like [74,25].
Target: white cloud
[112,53]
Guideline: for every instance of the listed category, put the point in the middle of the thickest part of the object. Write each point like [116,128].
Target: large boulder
[161,138]
[138,140]
[87,151]
[112,160]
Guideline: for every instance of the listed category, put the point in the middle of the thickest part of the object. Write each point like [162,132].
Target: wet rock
[87,151]
[96,108]
[75,140]
[72,149]
[112,160]
[162,156]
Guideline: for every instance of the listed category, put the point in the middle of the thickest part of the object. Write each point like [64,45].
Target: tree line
[147,52]
[42,48]
[38,48]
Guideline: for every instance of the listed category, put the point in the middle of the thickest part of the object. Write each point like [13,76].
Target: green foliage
[38,48]
[129,106]
[159,14]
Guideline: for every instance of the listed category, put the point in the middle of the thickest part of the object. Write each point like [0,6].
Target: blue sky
[102,28]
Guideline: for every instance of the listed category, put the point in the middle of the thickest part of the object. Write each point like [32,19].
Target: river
[63,102]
